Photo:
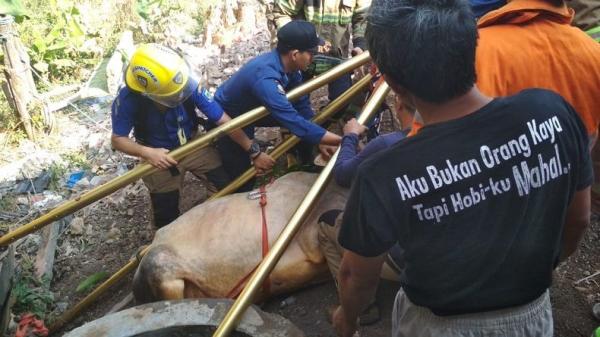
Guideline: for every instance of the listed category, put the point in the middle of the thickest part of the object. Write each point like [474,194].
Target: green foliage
[162,15]
[14,134]
[8,202]
[71,162]
[144,7]
[32,294]
[13,8]
[91,281]
[56,49]
[57,171]
[78,160]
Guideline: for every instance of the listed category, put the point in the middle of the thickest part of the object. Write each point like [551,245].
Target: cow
[209,249]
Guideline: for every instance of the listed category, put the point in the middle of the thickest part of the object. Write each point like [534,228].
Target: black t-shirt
[478,203]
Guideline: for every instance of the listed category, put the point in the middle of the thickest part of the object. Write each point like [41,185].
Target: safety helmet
[161,74]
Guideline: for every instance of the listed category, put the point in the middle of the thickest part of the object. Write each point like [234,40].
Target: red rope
[265,233]
[239,286]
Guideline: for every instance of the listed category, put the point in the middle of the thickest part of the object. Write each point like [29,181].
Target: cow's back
[212,246]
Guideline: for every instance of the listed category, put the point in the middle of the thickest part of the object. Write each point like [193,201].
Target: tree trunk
[21,87]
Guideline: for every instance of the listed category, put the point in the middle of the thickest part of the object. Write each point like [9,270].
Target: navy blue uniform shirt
[158,129]
[263,81]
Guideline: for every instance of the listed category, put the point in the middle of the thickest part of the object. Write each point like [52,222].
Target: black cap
[299,34]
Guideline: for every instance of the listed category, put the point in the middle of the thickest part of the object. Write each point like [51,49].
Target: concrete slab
[192,317]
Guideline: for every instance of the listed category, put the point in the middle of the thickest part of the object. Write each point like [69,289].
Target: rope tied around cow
[261,195]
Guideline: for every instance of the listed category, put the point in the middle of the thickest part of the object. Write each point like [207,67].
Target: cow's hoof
[192,317]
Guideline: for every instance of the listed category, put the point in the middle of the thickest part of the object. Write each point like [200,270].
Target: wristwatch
[254,150]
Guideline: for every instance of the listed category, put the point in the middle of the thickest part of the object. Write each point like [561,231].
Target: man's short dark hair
[425,46]
[283,49]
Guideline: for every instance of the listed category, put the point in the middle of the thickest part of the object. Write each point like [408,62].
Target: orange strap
[265,233]
[237,289]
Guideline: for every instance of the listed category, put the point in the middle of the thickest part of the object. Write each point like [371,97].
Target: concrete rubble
[165,318]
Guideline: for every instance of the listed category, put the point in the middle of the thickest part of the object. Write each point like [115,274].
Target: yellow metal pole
[266,266]
[331,109]
[144,169]
[89,299]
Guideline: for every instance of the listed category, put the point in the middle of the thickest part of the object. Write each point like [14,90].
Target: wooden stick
[587,278]
[45,256]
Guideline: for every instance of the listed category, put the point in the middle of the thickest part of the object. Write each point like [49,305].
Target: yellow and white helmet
[161,74]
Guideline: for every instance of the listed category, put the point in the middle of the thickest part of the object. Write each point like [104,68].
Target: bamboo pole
[266,266]
[144,169]
[332,108]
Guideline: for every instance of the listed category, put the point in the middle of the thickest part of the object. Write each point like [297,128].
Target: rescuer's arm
[157,157]
[577,220]
[204,101]
[262,161]
[358,279]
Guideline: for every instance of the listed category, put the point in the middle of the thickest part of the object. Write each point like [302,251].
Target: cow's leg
[172,289]
[158,276]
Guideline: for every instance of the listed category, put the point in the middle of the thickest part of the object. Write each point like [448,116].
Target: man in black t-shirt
[495,195]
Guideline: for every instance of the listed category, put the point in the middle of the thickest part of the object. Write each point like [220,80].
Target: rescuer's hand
[263,163]
[158,157]
[352,126]
[356,51]
[327,151]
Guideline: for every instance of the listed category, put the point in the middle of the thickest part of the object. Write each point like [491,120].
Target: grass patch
[57,171]
[32,294]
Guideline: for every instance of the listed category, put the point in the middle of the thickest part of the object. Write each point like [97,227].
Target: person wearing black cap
[338,22]
[264,81]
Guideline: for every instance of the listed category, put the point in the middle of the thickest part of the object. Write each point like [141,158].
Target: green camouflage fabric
[594,33]
[334,20]
[322,63]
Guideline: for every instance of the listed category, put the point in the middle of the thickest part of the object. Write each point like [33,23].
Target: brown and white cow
[207,250]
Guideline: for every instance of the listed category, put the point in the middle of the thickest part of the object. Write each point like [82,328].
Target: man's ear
[294,54]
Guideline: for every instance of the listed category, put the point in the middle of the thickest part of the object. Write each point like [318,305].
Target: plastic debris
[36,185]
[48,199]
[74,178]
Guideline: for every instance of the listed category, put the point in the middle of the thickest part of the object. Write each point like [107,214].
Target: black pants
[236,161]
[165,205]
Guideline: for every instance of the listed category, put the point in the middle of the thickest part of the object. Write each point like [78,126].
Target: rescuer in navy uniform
[159,102]
[264,81]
